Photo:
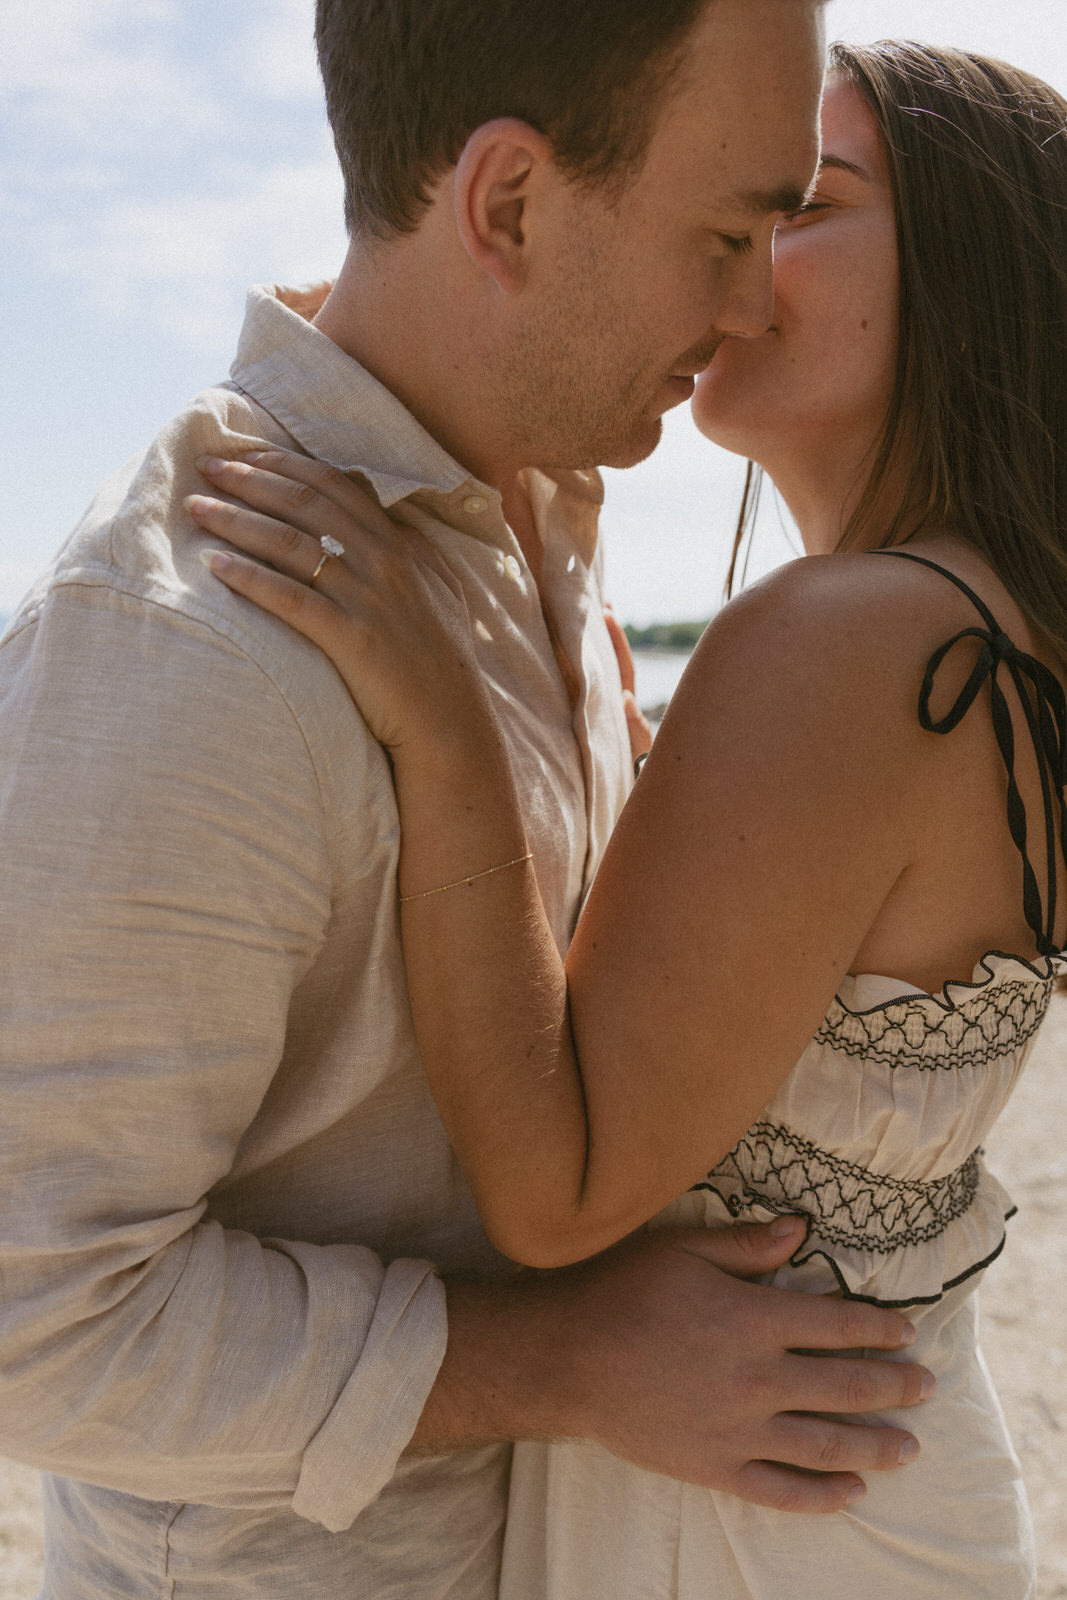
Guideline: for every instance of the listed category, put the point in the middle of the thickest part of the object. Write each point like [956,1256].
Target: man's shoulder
[135,554]
[136,539]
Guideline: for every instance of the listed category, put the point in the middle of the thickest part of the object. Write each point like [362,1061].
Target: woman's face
[817,385]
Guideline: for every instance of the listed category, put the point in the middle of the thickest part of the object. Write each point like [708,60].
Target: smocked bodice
[876,1134]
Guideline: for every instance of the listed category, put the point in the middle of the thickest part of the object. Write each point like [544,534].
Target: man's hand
[661,1352]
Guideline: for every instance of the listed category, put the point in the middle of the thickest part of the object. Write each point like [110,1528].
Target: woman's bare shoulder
[845,637]
[845,600]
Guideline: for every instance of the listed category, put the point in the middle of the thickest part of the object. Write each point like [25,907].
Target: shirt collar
[331,405]
[339,413]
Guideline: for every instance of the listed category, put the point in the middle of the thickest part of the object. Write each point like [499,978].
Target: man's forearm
[500,1379]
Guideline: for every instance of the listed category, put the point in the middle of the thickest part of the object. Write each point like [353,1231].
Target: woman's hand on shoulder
[375,596]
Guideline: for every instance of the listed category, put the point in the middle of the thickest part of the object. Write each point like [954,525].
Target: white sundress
[876,1137]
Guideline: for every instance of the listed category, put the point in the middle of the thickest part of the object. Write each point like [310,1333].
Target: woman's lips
[681,388]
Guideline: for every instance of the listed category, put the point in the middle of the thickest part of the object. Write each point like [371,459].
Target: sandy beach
[1024,1311]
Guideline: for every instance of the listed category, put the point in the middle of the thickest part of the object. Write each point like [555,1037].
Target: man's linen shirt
[224,1189]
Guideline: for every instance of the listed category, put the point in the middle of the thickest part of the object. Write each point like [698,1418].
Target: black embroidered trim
[918,1299]
[1049,967]
[902,1033]
[849,1205]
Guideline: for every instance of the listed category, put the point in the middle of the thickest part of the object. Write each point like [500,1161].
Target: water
[656,674]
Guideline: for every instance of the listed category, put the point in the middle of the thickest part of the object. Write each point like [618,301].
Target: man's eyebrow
[787,197]
[761,202]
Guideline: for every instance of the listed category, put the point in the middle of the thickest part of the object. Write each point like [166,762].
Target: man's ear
[502,174]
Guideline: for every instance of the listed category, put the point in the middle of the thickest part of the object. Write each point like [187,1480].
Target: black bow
[1045,708]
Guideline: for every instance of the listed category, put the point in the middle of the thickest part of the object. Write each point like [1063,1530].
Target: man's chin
[638,447]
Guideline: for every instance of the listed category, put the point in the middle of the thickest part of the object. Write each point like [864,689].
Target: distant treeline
[665,635]
[658,636]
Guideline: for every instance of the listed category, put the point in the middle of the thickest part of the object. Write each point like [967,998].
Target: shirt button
[512,568]
[475,503]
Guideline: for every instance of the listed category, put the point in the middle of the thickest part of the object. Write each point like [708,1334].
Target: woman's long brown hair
[975,438]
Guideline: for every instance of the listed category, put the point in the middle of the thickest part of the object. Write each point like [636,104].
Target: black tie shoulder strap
[1045,708]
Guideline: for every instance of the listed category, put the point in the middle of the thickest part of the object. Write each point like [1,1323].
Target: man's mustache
[693,362]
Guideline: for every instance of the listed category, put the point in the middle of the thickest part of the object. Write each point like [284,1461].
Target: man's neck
[407,327]
[382,313]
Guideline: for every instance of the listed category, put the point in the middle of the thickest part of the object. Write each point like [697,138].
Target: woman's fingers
[621,646]
[285,547]
[311,494]
[296,513]
[329,482]
[304,609]
[637,724]
[300,510]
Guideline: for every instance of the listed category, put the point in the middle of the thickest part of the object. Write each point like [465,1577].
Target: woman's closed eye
[805,213]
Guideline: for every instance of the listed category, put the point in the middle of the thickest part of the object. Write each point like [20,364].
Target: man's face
[632,294]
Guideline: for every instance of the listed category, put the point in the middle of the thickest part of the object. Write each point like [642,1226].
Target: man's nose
[748,308]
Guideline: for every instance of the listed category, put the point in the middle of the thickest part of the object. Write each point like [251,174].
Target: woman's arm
[763,837]
[486,983]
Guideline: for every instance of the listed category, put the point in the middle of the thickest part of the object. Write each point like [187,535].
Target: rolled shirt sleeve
[167,888]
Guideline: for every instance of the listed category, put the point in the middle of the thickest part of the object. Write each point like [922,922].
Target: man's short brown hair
[408,81]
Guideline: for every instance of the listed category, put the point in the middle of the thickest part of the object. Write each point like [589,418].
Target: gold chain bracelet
[404,898]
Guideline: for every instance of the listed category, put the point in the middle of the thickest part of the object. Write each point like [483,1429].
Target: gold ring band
[330,547]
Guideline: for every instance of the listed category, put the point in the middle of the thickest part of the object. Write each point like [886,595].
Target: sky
[156,158]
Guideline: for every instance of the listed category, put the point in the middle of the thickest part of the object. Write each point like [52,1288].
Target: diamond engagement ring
[330,547]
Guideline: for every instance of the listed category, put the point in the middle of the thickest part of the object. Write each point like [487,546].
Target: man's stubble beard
[569,390]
